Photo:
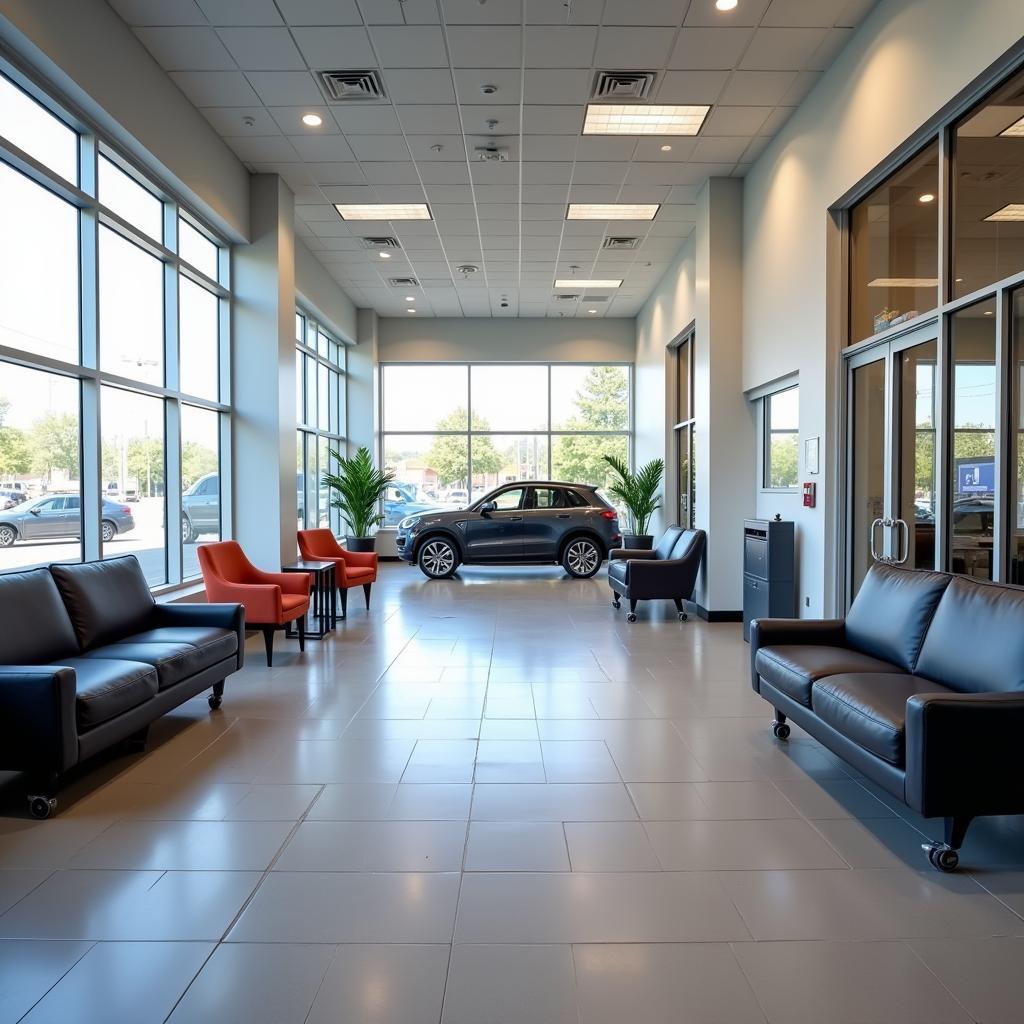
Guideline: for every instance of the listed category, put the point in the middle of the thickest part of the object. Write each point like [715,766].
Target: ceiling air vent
[596,298]
[381,242]
[621,242]
[344,86]
[566,298]
[403,282]
[623,85]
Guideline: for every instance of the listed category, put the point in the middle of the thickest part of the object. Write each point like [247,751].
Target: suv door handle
[515,519]
[563,515]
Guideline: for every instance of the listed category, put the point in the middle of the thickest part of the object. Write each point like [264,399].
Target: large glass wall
[113,345]
[320,403]
[454,431]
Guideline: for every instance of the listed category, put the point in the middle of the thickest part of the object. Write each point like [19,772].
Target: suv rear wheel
[581,558]
[108,531]
[437,558]
[8,535]
[188,533]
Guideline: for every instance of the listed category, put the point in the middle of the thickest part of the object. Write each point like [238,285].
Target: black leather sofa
[920,688]
[88,659]
[668,572]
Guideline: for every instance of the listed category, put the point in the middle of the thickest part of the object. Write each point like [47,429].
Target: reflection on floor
[493,800]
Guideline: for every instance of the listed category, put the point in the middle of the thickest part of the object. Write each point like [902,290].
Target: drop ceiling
[515,75]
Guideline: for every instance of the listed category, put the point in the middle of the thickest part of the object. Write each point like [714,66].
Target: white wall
[87,52]
[320,293]
[908,59]
[444,339]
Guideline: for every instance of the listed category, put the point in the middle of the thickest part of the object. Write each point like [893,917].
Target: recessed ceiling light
[591,310]
[383,211]
[988,312]
[384,255]
[410,311]
[904,282]
[926,198]
[410,298]
[612,211]
[1015,130]
[959,280]
[666,149]
[576,282]
[1011,211]
[640,119]
[726,5]
[312,120]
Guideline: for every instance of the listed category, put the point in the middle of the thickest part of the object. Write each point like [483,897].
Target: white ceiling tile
[757,88]
[393,172]
[262,148]
[367,118]
[496,46]
[472,12]
[321,148]
[296,175]
[558,85]
[597,147]
[599,173]
[678,211]
[470,83]
[476,118]
[159,12]
[546,195]
[216,88]
[830,48]
[230,120]
[491,172]
[496,193]
[335,49]
[560,46]
[450,194]
[709,48]
[316,212]
[715,151]
[320,12]
[186,48]
[285,88]
[804,82]
[240,12]
[643,12]
[552,120]
[542,211]
[350,194]
[703,12]
[633,47]
[855,11]
[444,174]
[289,120]
[776,119]
[378,147]
[691,86]
[593,194]
[756,148]
[409,46]
[549,147]
[735,121]
[536,172]
[804,13]
[644,193]
[399,12]
[429,118]
[336,172]
[650,149]
[682,194]
[419,85]
[262,49]
[781,49]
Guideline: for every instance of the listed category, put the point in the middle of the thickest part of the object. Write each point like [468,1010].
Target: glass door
[892,479]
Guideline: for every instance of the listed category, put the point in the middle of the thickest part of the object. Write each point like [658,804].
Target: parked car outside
[8,499]
[59,516]
[401,500]
[200,508]
[528,522]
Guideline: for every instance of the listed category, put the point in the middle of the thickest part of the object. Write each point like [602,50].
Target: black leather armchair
[668,572]
[88,659]
[920,688]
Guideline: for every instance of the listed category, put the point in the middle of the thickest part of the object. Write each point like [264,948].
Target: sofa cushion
[34,624]
[108,688]
[794,669]
[976,640]
[105,600]
[667,541]
[617,571]
[216,643]
[892,611]
[870,708]
[173,662]
[686,543]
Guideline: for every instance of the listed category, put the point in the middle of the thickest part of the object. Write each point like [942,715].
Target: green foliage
[356,490]
[54,443]
[637,491]
[448,455]
[196,460]
[603,404]
[783,462]
[15,452]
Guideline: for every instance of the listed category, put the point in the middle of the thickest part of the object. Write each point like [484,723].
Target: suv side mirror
[488,507]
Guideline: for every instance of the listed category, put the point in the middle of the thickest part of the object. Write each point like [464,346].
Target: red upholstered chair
[352,568]
[272,599]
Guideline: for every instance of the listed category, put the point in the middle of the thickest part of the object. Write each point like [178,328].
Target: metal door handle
[902,526]
[875,556]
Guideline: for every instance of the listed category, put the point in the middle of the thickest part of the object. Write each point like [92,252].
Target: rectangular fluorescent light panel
[612,211]
[643,119]
[383,211]
[1011,211]
[904,282]
[578,283]
[1016,130]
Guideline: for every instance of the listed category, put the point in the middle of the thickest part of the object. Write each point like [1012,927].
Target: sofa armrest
[662,578]
[631,553]
[289,582]
[963,753]
[783,632]
[217,616]
[38,730]
[360,559]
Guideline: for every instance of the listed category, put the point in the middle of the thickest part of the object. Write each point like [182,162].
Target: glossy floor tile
[492,800]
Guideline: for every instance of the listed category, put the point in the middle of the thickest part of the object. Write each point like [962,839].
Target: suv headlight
[409,522]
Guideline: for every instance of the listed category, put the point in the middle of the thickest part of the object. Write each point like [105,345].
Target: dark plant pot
[640,541]
[361,543]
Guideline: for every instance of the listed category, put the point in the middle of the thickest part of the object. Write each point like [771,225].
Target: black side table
[323,597]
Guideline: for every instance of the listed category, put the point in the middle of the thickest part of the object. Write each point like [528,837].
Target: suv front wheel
[581,558]
[437,558]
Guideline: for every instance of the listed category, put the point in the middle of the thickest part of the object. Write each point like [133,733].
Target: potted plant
[639,493]
[356,490]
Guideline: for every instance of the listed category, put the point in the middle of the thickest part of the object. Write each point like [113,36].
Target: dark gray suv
[524,522]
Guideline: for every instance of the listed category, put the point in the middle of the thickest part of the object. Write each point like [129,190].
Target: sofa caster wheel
[942,858]
[781,730]
[215,700]
[631,617]
[42,807]
[616,604]
[683,616]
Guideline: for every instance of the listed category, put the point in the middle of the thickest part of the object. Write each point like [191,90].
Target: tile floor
[493,801]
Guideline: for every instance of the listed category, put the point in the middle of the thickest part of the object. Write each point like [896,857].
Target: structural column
[263,377]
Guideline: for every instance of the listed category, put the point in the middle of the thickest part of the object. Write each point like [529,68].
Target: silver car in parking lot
[59,517]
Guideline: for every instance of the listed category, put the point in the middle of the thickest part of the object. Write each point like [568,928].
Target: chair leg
[631,617]
[680,608]
[268,641]
[366,593]
[344,602]
[616,603]
[217,696]
[944,856]
[301,623]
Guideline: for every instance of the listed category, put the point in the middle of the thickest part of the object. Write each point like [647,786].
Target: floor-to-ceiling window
[114,406]
[320,403]
[685,477]
[453,431]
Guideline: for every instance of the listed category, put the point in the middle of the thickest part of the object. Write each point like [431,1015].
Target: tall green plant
[637,491]
[356,490]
